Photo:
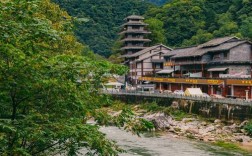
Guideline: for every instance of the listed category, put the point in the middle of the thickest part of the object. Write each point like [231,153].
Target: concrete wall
[240,53]
[235,69]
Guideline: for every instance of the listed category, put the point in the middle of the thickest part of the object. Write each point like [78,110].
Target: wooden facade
[221,66]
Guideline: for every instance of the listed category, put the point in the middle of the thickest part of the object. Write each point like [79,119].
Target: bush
[176,114]
[248,128]
[152,107]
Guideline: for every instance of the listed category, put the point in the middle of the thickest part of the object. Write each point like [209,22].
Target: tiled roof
[135,17]
[217,41]
[147,50]
[201,50]
[135,23]
[148,56]
[178,51]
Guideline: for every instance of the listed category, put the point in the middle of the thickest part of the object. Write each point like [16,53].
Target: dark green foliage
[177,23]
[151,107]
[197,21]
[159,2]
[47,88]
[104,20]
[175,113]
[248,128]
[157,32]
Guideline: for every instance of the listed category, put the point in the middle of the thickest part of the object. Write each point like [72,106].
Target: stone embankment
[201,130]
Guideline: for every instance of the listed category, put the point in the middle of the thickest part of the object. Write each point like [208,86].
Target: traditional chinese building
[220,66]
[133,35]
[146,62]
[141,59]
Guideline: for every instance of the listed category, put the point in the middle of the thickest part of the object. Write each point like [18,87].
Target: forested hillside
[177,23]
[104,18]
[191,22]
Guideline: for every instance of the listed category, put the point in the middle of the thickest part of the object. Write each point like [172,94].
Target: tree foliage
[189,22]
[159,2]
[47,89]
[179,22]
[104,20]
[157,32]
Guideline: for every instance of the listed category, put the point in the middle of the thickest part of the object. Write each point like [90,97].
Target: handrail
[177,96]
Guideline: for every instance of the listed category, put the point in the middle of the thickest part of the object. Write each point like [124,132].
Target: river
[162,145]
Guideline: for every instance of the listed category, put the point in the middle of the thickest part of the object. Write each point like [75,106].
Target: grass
[231,147]
[176,114]
[228,146]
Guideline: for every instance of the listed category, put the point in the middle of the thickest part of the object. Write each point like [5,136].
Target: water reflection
[164,145]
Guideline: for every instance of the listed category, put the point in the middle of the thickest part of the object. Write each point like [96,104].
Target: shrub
[248,128]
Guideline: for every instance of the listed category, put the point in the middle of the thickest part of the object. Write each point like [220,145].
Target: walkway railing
[177,96]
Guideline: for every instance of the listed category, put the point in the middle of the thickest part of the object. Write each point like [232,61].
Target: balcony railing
[188,62]
[175,96]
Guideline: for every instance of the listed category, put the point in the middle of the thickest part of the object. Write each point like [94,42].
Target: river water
[163,145]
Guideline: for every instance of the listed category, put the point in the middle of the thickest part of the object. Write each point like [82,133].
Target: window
[225,55]
[216,57]
[135,27]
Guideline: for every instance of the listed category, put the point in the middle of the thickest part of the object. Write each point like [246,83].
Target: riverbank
[227,134]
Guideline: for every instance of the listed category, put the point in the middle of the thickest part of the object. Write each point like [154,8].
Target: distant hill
[189,22]
[103,20]
[177,23]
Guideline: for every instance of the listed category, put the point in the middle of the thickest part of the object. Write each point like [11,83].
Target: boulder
[243,123]
[175,105]
[160,120]
[233,128]
[243,138]
[192,130]
[204,123]
[210,128]
[217,121]
[188,120]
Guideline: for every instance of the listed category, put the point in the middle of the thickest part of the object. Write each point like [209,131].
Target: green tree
[201,37]
[246,28]
[157,32]
[47,89]
[181,19]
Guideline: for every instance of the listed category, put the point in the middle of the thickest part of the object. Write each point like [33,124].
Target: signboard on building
[183,80]
[239,82]
[168,64]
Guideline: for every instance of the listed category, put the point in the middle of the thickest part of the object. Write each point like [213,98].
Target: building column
[211,74]
[232,90]
[142,69]
[247,91]
[182,87]
[202,70]
[160,86]
[251,92]
[212,89]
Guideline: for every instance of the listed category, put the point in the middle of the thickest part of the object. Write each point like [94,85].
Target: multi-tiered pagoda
[134,31]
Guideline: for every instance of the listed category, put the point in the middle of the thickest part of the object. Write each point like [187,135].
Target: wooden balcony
[133,47]
[204,81]
[188,63]
[136,39]
[135,32]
